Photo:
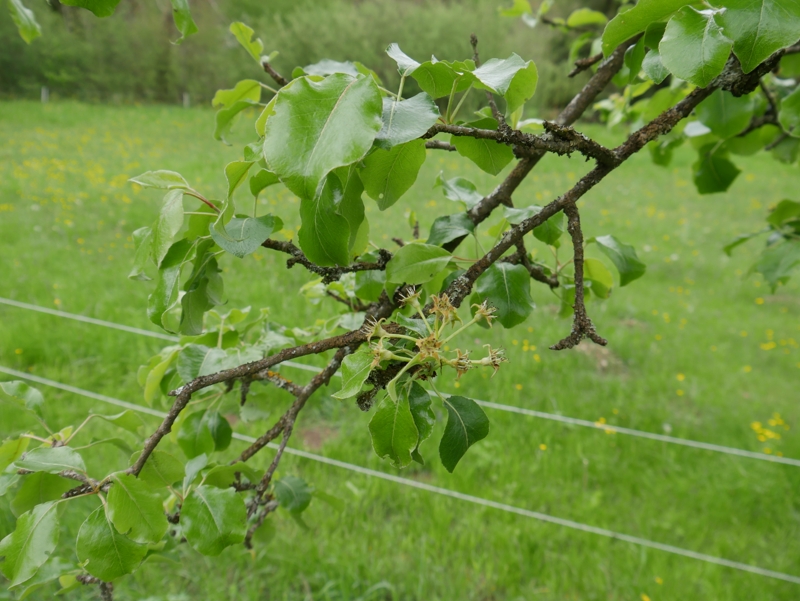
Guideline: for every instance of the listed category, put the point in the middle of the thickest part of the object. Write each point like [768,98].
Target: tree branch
[277,77]
[329,274]
[584,63]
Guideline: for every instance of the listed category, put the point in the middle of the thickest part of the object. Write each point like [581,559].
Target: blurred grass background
[129,58]
[697,349]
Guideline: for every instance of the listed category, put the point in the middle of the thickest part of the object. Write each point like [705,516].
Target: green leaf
[169,223]
[324,235]
[627,24]
[183,19]
[262,179]
[163,180]
[222,476]
[128,420]
[24,19]
[778,261]
[107,553]
[623,256]
[489,155]
[351,207]
[339,117]
[165,294]
[450,227]
[713,172]
[370,284]
[653,67]
[405,64]
[394,433]
[512,78]
[739,240]
[195,437]
[31,543]
[197,360]
[550,231]
[459,189]
[388,174]
[694,46]
[244,235]
[224,119]
[52,569]
[244,35]
[508,288]
[355,370]
[416,264]
[466,425]
[634,56]
[100,8]
[135,510]
[600,277]
[220,428]
[784,211]
[11,449]
[18,392]
[213,519]
[519,8]
[235,173]
[437,79]
[725,114]
[52,460]
[204,290]
[583,17]
[406,120]
[161,469]
[419,402]
[192,468]
[143,240]
[789,114]
[38,488]
[293,494]
[152,385]
[759,27]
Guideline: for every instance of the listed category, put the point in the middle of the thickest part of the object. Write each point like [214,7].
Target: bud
[445,309]
[486,311]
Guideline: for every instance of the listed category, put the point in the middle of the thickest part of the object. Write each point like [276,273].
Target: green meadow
[697,349]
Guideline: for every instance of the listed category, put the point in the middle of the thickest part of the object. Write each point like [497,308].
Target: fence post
[45,94]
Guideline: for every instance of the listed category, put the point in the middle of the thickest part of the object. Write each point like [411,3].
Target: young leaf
[450,227]
[194,436]
[244,235]
[694,46]
[627,24]
[169,223]
[489,155]
[713,172]
[419,402]
[466,425]
[213,519]
[777,262]
[107,553]
[550,231]
[339,117]
[623,256]
[164,180]
[160,470]
[221,431]
[600,277]
[53,568]
[394,433]
[51,460]
[224,119]
[355,370]
[27,26]
[152,385]
[325,233]
[405,64]
[235,173]
[789,114]
[416,264]
[247,89]
[183,19]
[759,27]
[31,543]
[135,510]
[222,476]
[654,67]
[293,494]
[583,17]
[508,288]
[406,120]
[25,396]
[143,240]
[100,8]
[193,467]
[460,190]
[387,175]
[11,449]
[438,79]
[261,180]
[244,35]
[513,78]
[166,292]
[725,114]
[38,488]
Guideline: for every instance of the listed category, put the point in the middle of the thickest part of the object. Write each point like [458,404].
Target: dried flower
[486,311]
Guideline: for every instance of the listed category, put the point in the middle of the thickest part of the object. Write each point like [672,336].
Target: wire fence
[573,421]
[446,492]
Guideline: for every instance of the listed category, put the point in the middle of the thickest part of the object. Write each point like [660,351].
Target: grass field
[697,349]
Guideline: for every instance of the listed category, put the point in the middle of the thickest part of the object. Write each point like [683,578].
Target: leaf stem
[199,196]
[460,102]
